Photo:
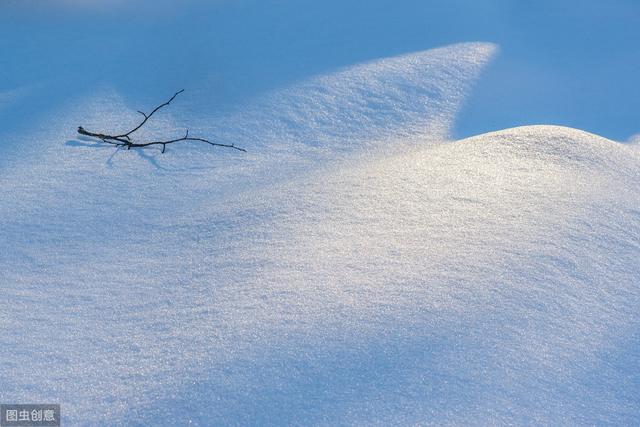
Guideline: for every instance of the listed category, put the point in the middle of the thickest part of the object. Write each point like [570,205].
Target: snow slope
[354,267]
[114,240]
[488,280]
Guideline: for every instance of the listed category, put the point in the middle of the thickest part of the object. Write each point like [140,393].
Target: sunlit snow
[357,266]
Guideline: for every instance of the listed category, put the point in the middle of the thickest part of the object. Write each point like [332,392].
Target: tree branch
[147,117]
[124,139]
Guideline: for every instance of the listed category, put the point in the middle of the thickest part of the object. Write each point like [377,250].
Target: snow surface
[356,266]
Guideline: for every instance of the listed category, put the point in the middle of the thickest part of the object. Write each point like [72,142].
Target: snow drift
[354,268]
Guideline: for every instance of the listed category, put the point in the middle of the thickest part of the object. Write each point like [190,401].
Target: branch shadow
[85,142]
[143,153]
[150,159]
[90,143]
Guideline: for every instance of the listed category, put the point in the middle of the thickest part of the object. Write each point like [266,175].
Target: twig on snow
[124,140]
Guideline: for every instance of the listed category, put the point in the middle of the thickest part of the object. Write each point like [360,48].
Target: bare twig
[124,140]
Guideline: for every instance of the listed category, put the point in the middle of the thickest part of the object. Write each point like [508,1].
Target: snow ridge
[488,280]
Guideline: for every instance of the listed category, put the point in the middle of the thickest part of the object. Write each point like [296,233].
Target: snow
[357,266]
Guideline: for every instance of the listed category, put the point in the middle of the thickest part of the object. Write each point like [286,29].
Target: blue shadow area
[571,63]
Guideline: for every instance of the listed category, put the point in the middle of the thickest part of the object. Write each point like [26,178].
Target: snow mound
[322,278]
[489,280]
[417,94]
[101,251]
[568,146]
